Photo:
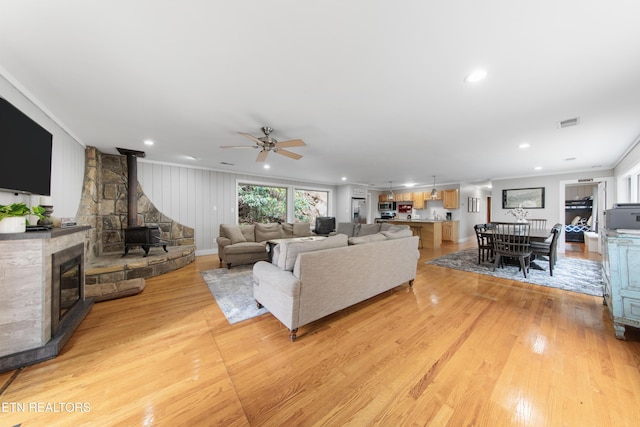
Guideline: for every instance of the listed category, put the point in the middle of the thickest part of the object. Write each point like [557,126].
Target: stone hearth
[113,276]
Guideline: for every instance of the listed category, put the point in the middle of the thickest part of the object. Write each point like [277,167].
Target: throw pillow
[249,232]
[397,234]
[345,228]
[269,231]
[378,237]
[287,230]
[367,229]
[385,226]
[234,233]
[301,229]
[289,250]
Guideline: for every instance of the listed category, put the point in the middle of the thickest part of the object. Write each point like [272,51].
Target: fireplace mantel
[26,296]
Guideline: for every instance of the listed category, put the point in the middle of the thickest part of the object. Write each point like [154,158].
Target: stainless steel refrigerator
[359,211]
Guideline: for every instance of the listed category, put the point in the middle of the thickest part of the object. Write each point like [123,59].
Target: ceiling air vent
[569,122]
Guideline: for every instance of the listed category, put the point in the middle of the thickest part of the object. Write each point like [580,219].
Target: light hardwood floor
[458,349]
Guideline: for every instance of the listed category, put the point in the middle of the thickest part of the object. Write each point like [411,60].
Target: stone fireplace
[42,298]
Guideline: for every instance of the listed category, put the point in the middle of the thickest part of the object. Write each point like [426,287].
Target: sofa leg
[229,266]
[411,283]
[258,304]
[292,335]
[220,262]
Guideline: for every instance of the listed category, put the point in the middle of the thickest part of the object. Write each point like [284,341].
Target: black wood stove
[145,236]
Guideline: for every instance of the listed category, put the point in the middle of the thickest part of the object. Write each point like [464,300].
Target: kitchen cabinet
[450,231]
[404,197]
[621,273]
[384,197]
[418,200]
[450,199]
[427,196]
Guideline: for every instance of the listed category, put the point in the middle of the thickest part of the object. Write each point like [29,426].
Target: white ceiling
[375,88]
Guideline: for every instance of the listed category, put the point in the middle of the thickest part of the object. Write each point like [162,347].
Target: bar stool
[417,231]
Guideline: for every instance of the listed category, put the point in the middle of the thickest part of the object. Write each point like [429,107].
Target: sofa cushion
[345,228]
[400,234]
[289,250]
[269,231]
[370,238]
[367,229]
[301,229]
[233,233]
[245,247]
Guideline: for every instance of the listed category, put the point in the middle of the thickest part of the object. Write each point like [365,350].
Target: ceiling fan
[266,143]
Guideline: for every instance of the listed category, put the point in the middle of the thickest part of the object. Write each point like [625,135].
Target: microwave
[387,206]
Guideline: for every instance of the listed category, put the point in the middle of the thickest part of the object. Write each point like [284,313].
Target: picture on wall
[528,198]
[473,204]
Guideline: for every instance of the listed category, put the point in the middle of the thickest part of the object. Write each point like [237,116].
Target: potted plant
[13,218]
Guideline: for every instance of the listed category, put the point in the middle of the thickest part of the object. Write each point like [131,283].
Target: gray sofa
[246,244]
[309,284]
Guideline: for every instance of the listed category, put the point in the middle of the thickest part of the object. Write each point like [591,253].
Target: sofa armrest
[267,274]
[223,241]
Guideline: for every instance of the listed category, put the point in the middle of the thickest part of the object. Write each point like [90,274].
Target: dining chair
[512,240]
[485,242]
[545,248]
[538,224]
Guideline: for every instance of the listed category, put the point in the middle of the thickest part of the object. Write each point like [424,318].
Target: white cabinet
[621,271]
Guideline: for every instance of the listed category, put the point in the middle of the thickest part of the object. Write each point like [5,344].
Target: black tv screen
[25,162]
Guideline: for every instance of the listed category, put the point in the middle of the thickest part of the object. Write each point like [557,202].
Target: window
[310,204]
[261,204]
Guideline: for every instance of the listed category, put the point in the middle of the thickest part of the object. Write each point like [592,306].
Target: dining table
[535,235]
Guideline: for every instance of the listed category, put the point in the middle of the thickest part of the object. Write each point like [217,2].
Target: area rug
[233,291]
[576,275]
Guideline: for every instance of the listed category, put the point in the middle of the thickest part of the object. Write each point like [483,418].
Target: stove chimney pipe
[132,184]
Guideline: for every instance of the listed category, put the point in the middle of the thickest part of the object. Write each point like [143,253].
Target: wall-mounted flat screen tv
[25,159]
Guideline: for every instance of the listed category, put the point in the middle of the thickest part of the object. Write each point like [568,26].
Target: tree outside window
[261,204]
[310,204]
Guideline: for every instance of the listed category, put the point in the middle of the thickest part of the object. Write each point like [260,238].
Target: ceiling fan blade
[262,156]
[289,154]
[238,146]
[251,137]
[290,143]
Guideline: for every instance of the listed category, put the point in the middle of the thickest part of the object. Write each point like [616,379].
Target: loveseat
[304,284]
[246,244]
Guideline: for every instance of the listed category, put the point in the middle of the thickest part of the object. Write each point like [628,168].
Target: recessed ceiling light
[190,157]
[524,146]
[410,184]
[148,142]
[537,168]
[475,76]
[267,167]
[344,178]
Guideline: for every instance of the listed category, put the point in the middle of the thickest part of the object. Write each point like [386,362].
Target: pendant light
[434,192]
[390,196]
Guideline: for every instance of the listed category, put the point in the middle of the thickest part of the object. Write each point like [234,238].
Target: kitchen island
[430,230]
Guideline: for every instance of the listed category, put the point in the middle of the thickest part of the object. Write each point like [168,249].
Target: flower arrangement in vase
[519,213]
